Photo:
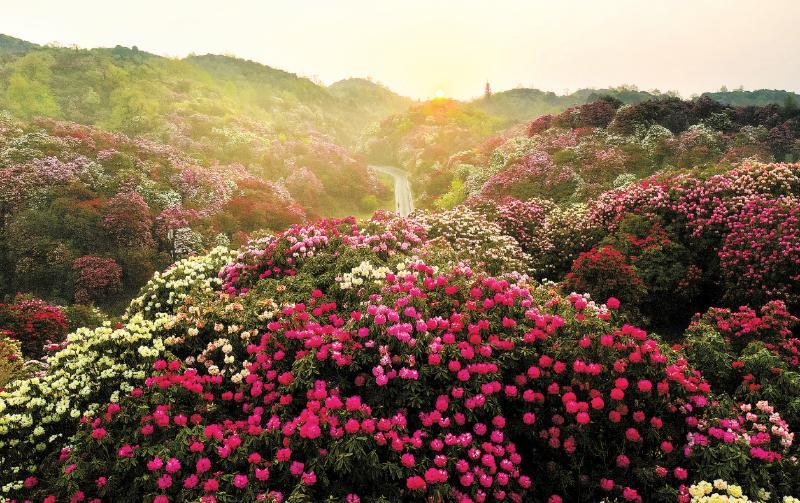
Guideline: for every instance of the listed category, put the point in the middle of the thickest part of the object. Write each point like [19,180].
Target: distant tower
[487,93]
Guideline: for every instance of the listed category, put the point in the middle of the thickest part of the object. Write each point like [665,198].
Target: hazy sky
[416,47]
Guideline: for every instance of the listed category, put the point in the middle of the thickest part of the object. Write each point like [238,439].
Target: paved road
[402,188]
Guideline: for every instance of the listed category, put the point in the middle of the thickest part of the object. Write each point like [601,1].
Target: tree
[789,103]
[134,111]
[127,220]
[28,93]
[96,278]
[29,98]
[34,323]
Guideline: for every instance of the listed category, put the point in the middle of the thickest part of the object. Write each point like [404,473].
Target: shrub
[760,256]
[720,490]
[96,278]
[128,222]
[476,239]
[522,220]
[751,355]
[566,232]
[35,324]
[604,272]
[751,444]
[419,401]
[436,382]
[39,414]
[193,276]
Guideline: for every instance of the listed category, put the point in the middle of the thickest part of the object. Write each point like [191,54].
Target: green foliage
[11,360]
[452,197]
[81,315]
[28,90]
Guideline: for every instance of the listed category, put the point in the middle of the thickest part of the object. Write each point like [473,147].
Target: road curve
[402,188]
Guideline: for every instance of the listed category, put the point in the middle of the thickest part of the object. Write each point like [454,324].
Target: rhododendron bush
[11,360]
[603,272]
[34,324]
[96,277]
[752,355]
[472,236]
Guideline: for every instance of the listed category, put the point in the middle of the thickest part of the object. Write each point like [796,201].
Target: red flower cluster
[36,324]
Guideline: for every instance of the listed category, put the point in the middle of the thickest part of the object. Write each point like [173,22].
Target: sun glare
[439,94]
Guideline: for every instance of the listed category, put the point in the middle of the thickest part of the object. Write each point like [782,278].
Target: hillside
[137,93]
[367,101]
[89,215]
[202,300]
[419,139]
[521,105]
[760,97]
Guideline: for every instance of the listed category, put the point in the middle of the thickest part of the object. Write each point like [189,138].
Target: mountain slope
[138,93]
[368,101]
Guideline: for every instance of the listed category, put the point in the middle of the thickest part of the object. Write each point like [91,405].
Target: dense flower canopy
[369,362]
[603,307]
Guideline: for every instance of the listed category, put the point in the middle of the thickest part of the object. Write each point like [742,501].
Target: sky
[417,47]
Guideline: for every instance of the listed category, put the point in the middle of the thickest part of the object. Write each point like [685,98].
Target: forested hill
[180,100]
[519,105]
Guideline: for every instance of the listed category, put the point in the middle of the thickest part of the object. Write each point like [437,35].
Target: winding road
[402,188]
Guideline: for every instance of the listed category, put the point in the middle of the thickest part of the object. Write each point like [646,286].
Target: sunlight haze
[418,47]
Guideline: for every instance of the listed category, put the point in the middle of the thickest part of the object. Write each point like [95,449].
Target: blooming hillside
[578,154]
[390,361]
[599,305]
[89,215]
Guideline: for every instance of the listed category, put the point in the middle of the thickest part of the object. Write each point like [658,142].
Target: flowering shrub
[363,273]
[521,220]
[752,445]
[566,232]
[722,492]
[424,399]
[671,282]
[259,204]
[127,220]
[35,324]
[752,355]
[94,367]
[194,276]
[604,272]
[473,237]
[739,228]
[760,256]
[773,325]
[96,277]
[535,175]
[203,188]
[434,382]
